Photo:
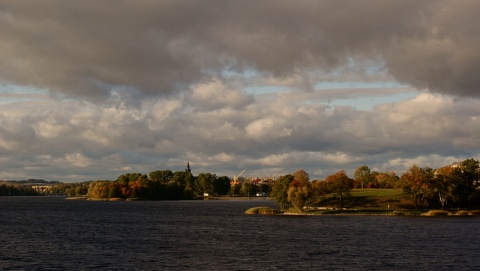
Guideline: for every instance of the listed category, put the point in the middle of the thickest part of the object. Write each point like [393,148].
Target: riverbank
[372,212]
[431,213]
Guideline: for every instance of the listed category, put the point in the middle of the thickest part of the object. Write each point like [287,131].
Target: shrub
[436,213]
[262,211]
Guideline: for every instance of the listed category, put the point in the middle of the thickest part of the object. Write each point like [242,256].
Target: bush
[468,213]
[262,211]
[436,213]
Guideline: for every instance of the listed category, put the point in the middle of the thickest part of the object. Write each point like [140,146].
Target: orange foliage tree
[340,184]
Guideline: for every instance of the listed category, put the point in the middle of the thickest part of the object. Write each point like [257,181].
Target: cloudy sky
[94,89]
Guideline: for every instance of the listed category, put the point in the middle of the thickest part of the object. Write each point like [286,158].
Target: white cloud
[94,141]
[233,88]
[78,160]
[267,128]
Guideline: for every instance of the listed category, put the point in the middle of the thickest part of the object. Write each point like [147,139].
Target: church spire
[188,170]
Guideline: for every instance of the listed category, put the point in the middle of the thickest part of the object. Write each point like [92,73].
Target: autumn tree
[320,188]
[99,189]
[442,185]
[387,179]
[340,184]
[299,190]
[415,181]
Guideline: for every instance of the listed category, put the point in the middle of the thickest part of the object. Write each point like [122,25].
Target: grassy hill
[363,201]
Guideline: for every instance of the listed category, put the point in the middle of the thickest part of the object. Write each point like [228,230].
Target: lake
[51,233]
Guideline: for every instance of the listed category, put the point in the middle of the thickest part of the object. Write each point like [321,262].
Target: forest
[454,186]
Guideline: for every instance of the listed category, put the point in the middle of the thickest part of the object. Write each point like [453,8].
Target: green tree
[248,189]
[280,191]
[235,189]
[340,184]
[114,190]
[264,188]
[163,176]
[466,177]
[221,185]
[363,176]
[181,177]
[205,183]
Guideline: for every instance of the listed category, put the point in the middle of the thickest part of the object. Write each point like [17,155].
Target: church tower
[188,170]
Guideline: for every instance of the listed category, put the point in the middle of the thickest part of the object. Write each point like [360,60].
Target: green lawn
[372,192]
[369,198]
[374,202]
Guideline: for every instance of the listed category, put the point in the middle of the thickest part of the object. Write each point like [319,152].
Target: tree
[363,176]
[235,189]
[319,189]
[163,176]
[222,185]
[264,188]
[299,190]
[466,178]
[443,184]
[298,195]
[114,190]
[280,191]
[387,179]
[205,183]
[415,181]
[300,176]
[124,179]
[340,184]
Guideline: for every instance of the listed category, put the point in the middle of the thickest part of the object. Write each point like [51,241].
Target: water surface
[50,233]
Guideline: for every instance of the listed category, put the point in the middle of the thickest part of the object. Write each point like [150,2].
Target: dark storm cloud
[91,48]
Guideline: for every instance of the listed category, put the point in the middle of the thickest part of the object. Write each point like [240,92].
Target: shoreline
[416,213]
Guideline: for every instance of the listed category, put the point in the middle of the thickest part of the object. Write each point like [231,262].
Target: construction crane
[235,178]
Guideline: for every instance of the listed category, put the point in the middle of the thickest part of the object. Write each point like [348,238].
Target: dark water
[49,233]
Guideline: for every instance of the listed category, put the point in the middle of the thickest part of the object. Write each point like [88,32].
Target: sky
[91,90]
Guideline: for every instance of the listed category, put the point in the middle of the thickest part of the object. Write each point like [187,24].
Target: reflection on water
[48,233]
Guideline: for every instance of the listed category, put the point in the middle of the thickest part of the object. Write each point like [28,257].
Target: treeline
[7,189]
[70,189]
[160,185]
[32,181]
[248,189]
[449,186]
